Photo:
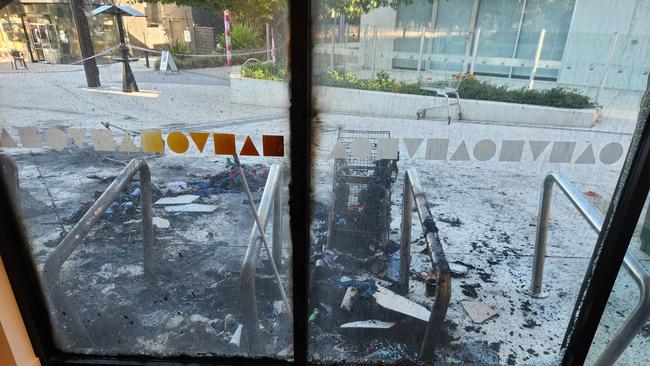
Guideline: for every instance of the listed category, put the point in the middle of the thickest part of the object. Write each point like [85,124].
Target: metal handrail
[641,312]
[52,267]
[413,192]
[272,196]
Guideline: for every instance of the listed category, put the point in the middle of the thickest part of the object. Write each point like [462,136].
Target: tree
[254,11]
[355,8]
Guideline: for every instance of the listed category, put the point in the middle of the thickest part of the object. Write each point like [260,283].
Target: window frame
[620,222]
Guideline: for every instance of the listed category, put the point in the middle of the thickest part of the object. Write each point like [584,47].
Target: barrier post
[226,26]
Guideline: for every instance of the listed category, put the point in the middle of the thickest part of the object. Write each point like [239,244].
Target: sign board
[164,59]
[187,35]
[167,61]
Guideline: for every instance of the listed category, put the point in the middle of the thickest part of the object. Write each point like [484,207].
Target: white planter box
[382,104]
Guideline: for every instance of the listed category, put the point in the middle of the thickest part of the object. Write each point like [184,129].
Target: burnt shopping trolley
[359,217]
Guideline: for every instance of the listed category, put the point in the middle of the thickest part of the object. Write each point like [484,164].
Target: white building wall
[590,41]
[384,19]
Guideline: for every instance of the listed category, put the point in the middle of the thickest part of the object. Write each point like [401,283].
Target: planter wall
[382,104]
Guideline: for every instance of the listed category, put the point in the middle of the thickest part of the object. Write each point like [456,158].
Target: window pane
[474,150]
[451,31]
[555,18]
[499,25]
[173,266]
[622,334]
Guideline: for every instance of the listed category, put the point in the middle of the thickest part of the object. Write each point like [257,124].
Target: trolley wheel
[420,114]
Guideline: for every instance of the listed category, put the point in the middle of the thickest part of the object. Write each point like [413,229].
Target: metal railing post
[150,259]
[405,242]
[415,193]
[277,221]
[474,51]
[538,54]
[641,312]
[333,46]
[421,53]
[251,332]
[374,51]
[637,318]
[540,239]
[577,199]
[51,272]
[268,41]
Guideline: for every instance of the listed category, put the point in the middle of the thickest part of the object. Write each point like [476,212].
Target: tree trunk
[85,42]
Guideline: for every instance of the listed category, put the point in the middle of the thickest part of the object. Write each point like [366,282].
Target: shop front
[45,31]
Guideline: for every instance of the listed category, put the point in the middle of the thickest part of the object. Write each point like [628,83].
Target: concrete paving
[486,210]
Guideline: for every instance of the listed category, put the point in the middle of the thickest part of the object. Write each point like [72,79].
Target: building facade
[44,30]
[586,44]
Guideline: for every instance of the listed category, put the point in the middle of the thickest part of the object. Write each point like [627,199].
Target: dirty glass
[622,335]
[135,193]
[427,183]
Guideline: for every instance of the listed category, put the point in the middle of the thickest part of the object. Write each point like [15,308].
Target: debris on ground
[479,312]
[178,200]
[192,207]
[160,223]
[369,324]
[236,338]
[392,301]
[348,298]
[314,315]
[458,270]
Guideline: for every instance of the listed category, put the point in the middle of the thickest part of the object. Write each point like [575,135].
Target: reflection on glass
[134,203]
[622,334]
[472,139]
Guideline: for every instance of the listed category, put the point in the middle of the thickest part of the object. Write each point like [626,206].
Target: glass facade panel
[499,24]
[451,32]
[555,18]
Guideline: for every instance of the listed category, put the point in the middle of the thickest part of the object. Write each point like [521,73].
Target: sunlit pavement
[495,202]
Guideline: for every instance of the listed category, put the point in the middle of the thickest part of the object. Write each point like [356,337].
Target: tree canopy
[247,10]
[256,10]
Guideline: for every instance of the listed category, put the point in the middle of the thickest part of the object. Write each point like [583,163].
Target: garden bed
[395,105]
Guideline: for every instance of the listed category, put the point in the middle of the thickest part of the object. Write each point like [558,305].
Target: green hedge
[555,97]
[193,62]
[470,88]
[266,71]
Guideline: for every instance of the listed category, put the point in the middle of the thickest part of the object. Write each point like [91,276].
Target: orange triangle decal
[199,138]
[249,148]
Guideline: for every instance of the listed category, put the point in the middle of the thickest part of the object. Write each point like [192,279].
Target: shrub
[242,37]
[556,97]
[469,88]
[263,70]
[186,62]
[178,48]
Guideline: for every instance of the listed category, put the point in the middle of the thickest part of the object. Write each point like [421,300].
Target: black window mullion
[300,114]
[619,224]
